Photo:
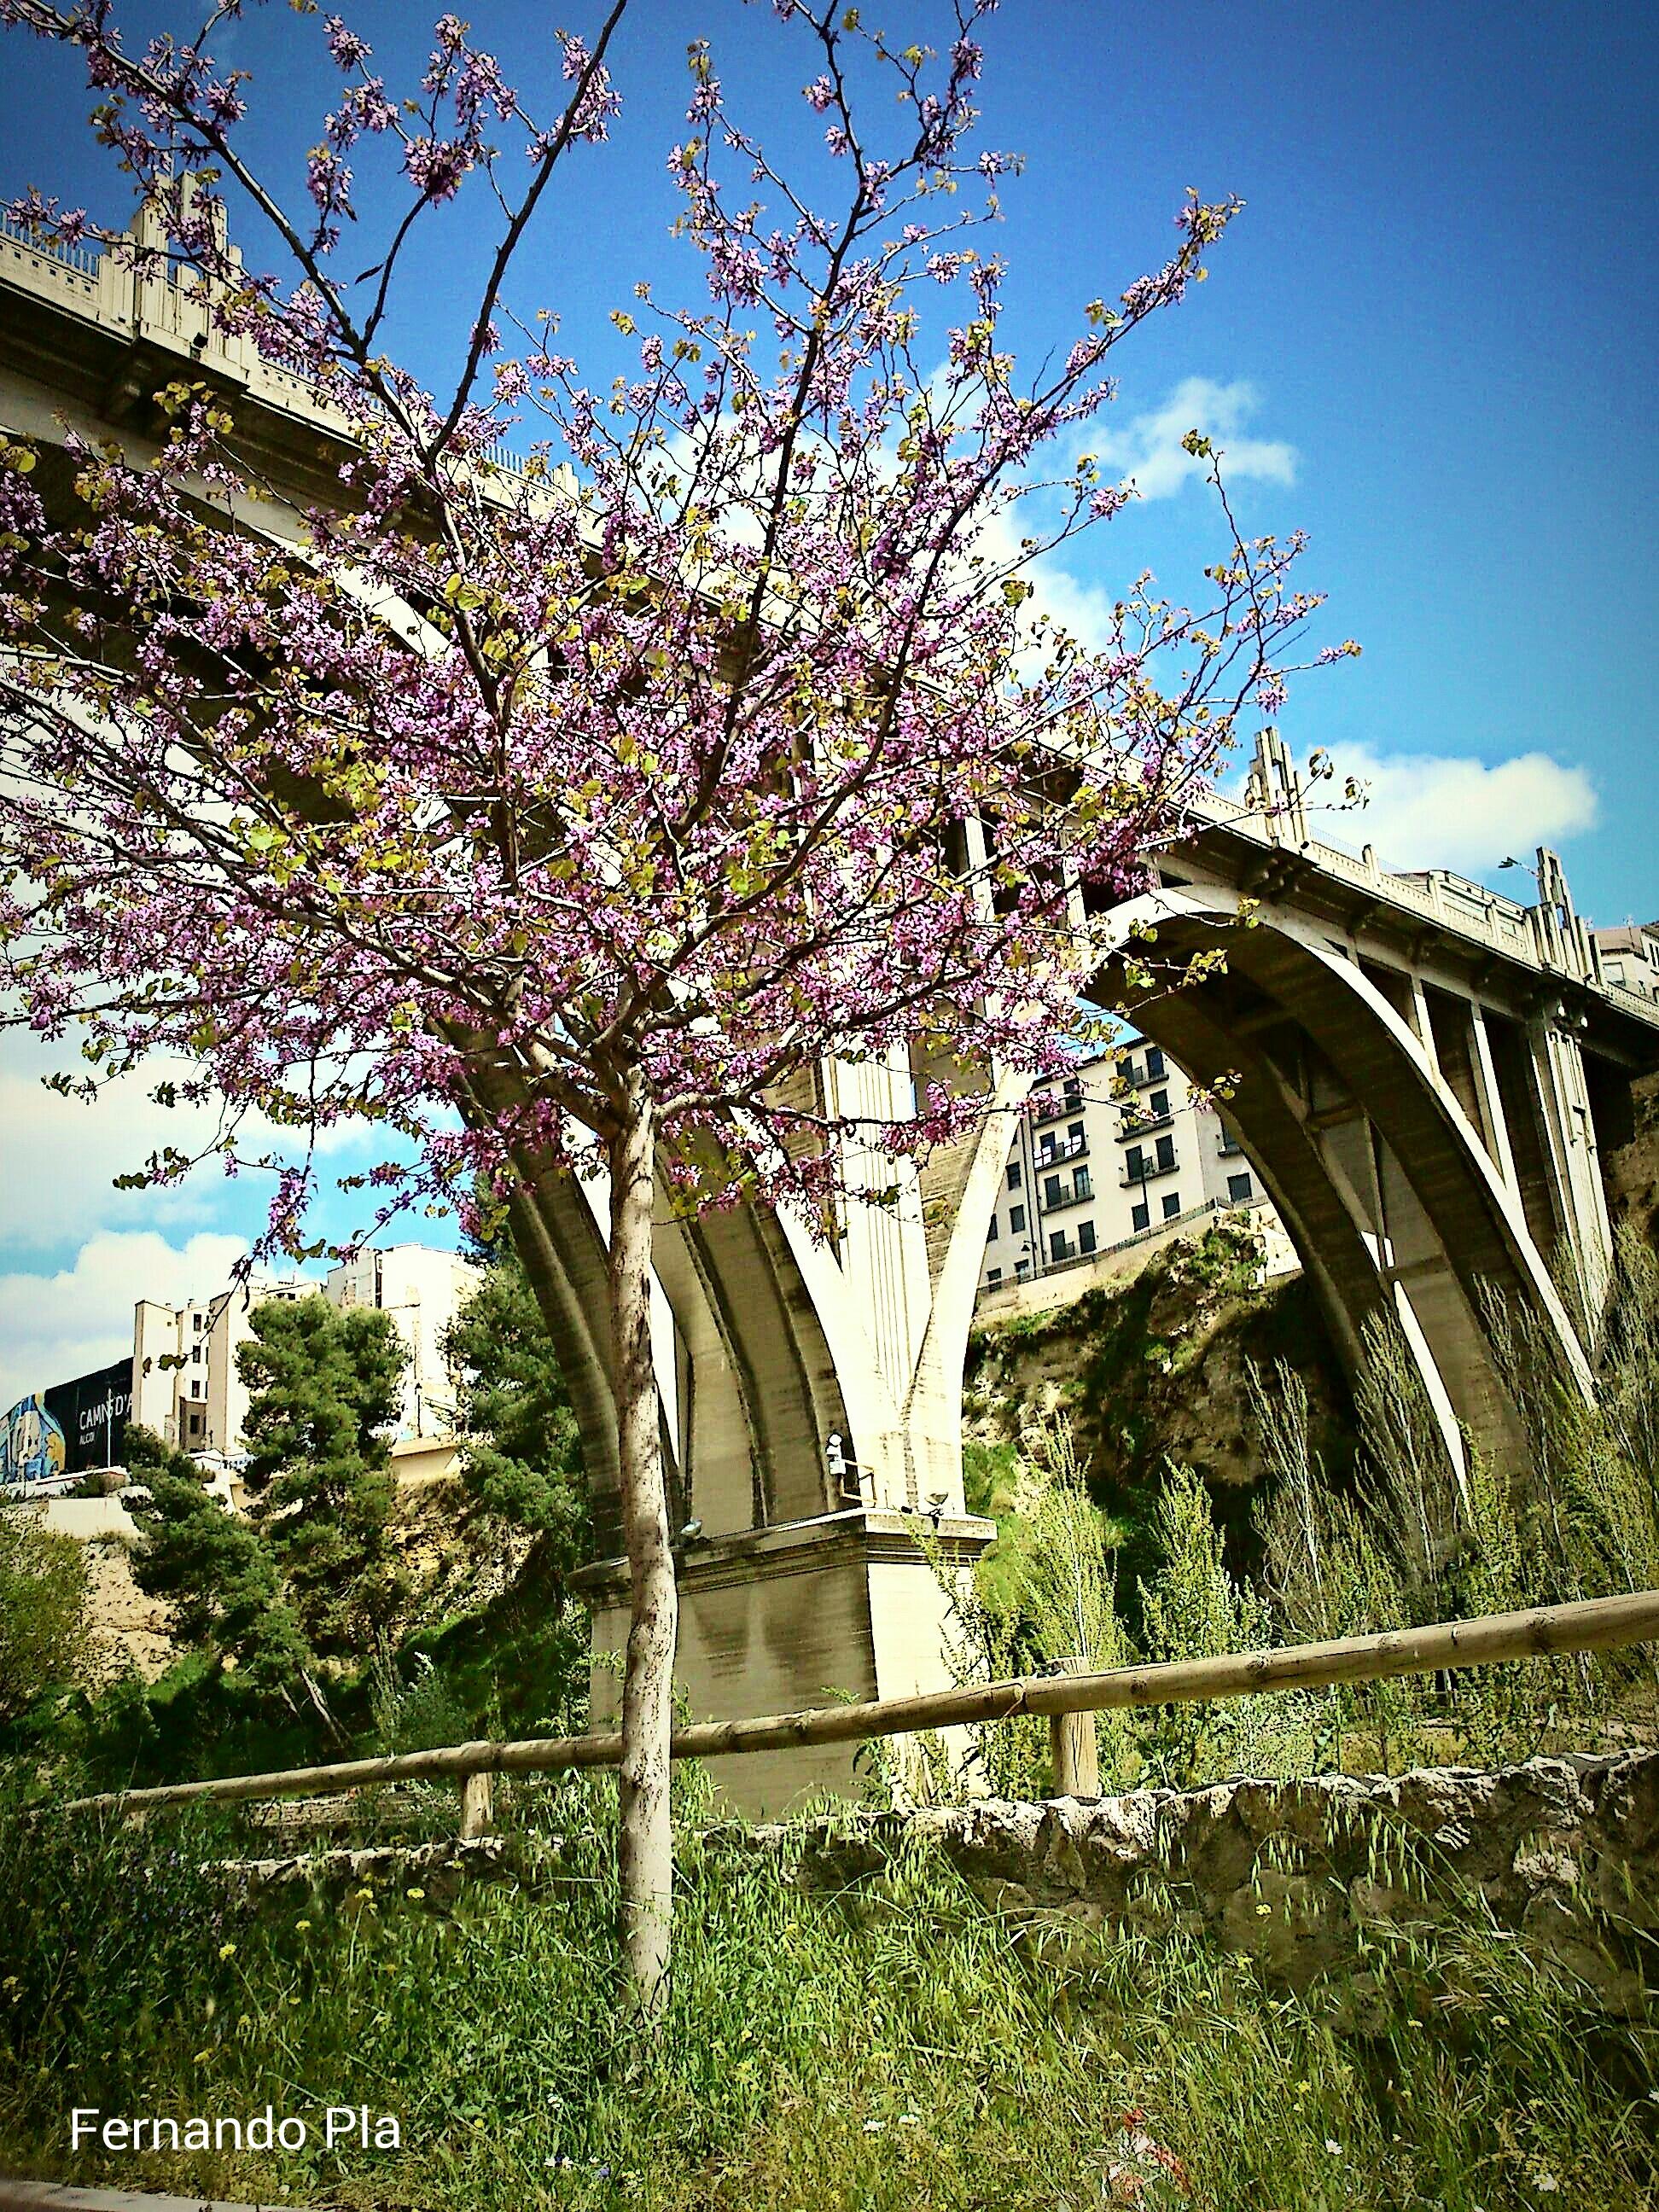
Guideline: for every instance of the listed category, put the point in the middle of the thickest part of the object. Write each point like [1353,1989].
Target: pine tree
[520,1453]
[214,1569]
[324,1387]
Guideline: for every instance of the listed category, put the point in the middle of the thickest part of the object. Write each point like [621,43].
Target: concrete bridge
[1424,1075]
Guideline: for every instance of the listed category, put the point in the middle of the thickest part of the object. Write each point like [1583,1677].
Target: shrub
[44,1633]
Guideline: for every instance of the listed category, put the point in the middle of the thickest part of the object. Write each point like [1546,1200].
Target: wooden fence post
[478,1803]
[1072,1739]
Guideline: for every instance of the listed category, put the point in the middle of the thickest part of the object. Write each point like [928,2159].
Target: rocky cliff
[1154,1369]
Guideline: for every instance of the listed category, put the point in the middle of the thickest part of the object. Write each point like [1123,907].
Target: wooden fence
[1066,1697]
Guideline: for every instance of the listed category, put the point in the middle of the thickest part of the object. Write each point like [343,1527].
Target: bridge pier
[777,1619]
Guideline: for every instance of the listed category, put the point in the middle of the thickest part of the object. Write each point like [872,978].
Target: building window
[1154,1063]
[1013,1175]
[991,1233]
[1172,1204]
[1015,1220]
[1134,1164]
[1080,1184]
[1139,1217]
[1022,1269]
[1086,1236]
[196,1355]
[196,1320]
[992,1276]
[1166,1154]
[1051,1192]
[1060,1246]
[1239,1188]
[1074,1133]
[1158,1104]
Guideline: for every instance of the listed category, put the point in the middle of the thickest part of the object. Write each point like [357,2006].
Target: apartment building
[185,1383]
[420,1288]
[1629,958]
[1118,1150]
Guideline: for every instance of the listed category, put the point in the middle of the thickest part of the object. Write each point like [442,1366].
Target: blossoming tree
[554,817]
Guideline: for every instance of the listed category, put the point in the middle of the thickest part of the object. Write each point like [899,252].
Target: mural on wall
[32,1445]
[91,1413]
[63,1431]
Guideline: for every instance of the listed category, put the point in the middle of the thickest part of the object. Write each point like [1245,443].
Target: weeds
[1407,1537]
[894,2046]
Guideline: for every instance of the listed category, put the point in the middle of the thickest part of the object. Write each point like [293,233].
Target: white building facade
[421,1288]
[1629,958]
[185,1386]
[185,1383]
[1120,1149]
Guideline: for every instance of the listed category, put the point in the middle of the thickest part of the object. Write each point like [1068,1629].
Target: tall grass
[1406,1538]
[902,2044]
[897,2046]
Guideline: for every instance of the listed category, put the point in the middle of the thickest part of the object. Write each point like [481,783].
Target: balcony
[1052,1105]
[1148,1171]
[1069,1195]
[1131,1125]
[1139,1073]
[1050,1154]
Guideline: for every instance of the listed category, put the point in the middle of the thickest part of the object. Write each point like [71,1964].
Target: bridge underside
[1381,1132]
[1417,1142]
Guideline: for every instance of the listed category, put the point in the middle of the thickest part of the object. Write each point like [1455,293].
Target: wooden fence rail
[1600,1624]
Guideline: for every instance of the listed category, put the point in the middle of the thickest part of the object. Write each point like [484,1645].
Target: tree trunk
[645,1842]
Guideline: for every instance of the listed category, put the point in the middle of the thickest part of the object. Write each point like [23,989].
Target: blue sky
[1429,342]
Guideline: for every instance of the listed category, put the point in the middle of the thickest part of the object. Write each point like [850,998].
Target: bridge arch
[1384,1185]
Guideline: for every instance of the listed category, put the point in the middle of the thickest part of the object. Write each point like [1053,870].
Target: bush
[44,1635]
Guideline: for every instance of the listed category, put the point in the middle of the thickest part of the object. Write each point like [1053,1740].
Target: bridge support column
[1491,1101]
[779,1619]
[1581,1195]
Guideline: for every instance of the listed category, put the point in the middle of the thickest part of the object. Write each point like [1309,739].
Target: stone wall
[1312,1879]
[1563,1851]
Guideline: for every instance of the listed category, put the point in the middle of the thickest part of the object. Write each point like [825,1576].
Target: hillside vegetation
[1153,1371]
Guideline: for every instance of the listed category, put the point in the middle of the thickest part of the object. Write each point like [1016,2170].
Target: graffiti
[60,1432]
[32,1445]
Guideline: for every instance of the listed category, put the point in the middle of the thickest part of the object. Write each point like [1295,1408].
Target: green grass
[892,2048]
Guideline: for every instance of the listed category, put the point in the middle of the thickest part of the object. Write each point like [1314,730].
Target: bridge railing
[1490,1639]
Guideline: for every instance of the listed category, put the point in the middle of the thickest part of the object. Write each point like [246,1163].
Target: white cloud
[1148,452]
[62,1154]
[55,1326]
[1449,810]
